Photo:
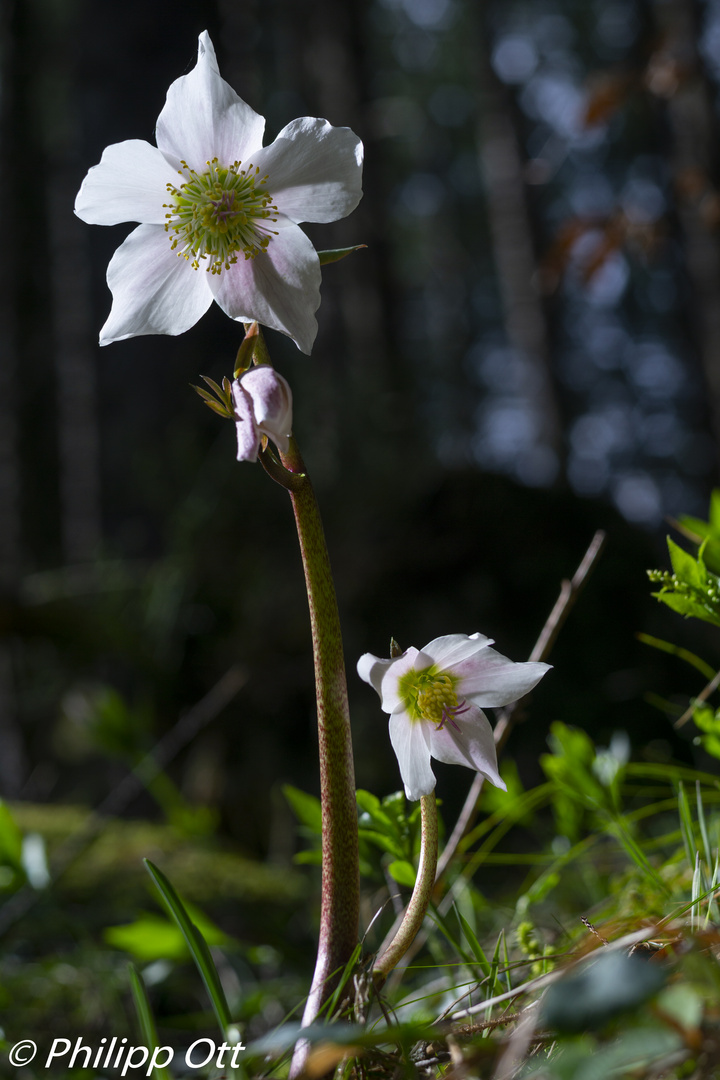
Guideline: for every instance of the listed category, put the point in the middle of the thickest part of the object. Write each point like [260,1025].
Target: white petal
[154,291]
[314,170]
[279,288]
[248,436]
[490,679]
[473,745]
[392,700]
[449,650]
[371,669]
[204,118]
[271,403]
[129,184]
[408,742]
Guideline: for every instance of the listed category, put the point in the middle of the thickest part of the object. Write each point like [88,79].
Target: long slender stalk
[424,882]
[340,903]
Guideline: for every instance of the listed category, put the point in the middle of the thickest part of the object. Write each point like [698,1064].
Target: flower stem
[340,903]
[420,898]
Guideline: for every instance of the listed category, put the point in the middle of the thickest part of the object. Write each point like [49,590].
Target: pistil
[217,214]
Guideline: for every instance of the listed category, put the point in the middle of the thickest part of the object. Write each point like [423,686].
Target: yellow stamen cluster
[217,214]
[435,696]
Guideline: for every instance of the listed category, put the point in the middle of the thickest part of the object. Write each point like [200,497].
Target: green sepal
[253,350]
[336,254]
[220,401]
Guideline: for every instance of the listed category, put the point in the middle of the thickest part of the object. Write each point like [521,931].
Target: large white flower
[229,207]
[435,698]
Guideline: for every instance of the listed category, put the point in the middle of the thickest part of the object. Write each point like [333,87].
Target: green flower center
[430,695]
[217,214]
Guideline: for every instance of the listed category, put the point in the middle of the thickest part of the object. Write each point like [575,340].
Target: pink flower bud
[263,406]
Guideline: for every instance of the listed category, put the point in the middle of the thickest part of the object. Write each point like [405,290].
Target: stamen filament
[217,214]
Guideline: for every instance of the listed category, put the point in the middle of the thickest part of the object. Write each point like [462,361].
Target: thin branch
[702,696]
[569,593]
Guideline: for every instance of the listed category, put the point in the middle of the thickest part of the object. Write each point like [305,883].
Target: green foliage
[584,781]
[196,944]
[384,826]
[150,937]
[707,532]
[11,844]
[708,721]
[691,589]
[614,984]
[145,1017]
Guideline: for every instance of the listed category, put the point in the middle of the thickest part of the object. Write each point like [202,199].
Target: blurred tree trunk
[73,335]
[676,73]
[11,753]
[502,166]
[327,56]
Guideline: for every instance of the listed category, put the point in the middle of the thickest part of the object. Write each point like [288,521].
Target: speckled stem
[340,904]
[420,898]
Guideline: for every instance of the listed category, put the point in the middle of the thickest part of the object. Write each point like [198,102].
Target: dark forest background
[527,350]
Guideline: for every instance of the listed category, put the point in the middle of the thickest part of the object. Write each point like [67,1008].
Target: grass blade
[146,1018]
[707,850]
[196,944]
[686,824]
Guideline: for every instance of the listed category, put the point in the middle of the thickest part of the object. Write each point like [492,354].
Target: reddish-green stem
[339,911]
[424,882]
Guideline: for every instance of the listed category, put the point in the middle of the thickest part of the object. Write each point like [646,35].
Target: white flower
[210,193]
[263,406]
[435,698]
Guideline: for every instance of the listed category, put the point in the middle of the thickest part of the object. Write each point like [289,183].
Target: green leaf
[686,824]
[305,807]
[367,801]
[707,850]
[715,512]
[145,1017]
[335,254]
[685,566]
[313,857]
[604,988]
[383,841]
[196,943]
[687,606]
[11,840]
[403,872]
[342,983]
[151,937]
[475,946]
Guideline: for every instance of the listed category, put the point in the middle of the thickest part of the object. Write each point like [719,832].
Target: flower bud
[263,406]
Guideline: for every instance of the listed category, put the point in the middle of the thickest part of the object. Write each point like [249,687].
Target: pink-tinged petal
[279,288]
[371,669]
[491,680]
[129,184]
[154,291]
[411,748]
[204,118]
[314,170]
[248,436]
[271,402]
[472,745]
[391,699]
[451,649]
